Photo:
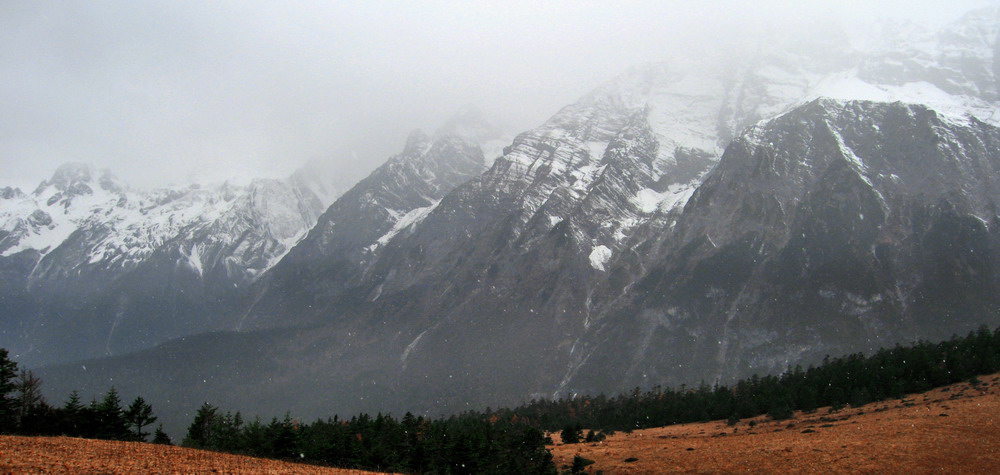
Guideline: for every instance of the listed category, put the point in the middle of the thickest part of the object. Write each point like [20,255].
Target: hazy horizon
[197,92]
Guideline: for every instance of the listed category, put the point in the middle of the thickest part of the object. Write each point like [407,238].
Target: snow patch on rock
[599,256]
[412,217]
[648,200]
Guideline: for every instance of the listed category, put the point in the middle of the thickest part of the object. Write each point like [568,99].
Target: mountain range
[92,267]
[695,220]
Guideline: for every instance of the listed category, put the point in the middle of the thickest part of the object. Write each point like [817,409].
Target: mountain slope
[950,429]
[323,269]
[695,220]
[513,269]
[837,227]
[95,267]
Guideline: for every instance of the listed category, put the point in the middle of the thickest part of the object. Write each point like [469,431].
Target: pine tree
[201,432]
[8,405]
[28,395]
[284,440]
[160,437]
[111,423]
[73,403]
[571,433]
[73,415]
[779,409]
[138,415]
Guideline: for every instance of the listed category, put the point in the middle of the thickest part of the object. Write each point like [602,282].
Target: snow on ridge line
[287,244]
[411,218]
[649,200]
[954,107]
[64,219]
[134,222]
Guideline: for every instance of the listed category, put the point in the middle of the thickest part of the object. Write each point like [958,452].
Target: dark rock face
[318,279]
[825,231]
[835,228]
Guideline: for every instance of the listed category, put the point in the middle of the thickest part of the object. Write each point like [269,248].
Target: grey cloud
[181,91]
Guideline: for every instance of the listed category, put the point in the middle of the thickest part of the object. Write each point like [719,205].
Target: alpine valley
[696,220]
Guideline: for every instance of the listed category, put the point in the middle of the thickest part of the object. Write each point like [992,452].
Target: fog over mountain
[176,92]
[709,206]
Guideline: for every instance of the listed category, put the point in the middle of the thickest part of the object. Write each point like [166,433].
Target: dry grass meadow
[951,430]
[71,455]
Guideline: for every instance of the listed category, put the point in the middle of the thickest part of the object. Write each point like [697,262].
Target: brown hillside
[949,430]
[72,455]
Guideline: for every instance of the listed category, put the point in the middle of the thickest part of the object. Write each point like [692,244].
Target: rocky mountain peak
[86,236]
[9,193]
[69,178]
[470,124]
[417,143]
[110,182]
[441,162]
[75,179]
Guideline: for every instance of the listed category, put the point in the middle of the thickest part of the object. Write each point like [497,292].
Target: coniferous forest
[854,379]
[24,411]
[469,443]
[506,440]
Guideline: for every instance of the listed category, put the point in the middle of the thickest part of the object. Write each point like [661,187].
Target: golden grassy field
[955,429]
[71,455]
[951,430]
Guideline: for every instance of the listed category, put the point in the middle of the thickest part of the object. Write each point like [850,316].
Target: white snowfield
[700,103]
[124,226]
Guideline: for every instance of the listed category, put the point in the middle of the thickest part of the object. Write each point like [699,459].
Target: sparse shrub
[571,434]
[579,464]
[779,410]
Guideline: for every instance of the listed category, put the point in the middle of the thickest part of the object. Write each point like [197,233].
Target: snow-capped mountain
[698,219]
[527,279]
[110,267]
[839,226]
[328,264]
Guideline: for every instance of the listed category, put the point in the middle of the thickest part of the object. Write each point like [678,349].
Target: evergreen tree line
[510,440]
[23,411]
[854,379]
[468,443]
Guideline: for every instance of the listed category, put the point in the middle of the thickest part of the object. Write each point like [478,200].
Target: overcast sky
[182,91]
